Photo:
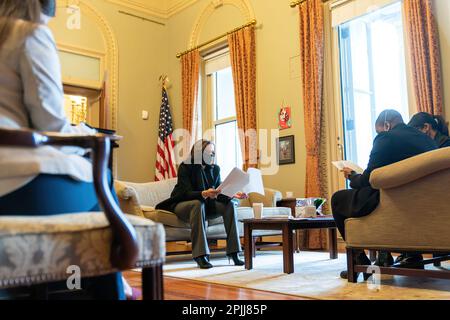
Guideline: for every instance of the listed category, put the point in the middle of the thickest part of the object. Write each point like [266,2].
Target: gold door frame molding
[244,7]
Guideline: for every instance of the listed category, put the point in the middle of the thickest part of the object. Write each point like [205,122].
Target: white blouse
[31,96]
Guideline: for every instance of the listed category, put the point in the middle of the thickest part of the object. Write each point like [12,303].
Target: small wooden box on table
[287,226]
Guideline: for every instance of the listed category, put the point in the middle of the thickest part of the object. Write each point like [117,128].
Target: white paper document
[348,164]
[255,184]
[240,181]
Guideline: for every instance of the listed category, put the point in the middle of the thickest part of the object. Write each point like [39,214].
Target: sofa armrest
[409,170]
[269,199]
[128,199]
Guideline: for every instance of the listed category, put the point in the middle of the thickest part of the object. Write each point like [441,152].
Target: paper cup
[257,210]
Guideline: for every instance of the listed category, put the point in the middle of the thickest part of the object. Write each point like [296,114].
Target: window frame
[209,103]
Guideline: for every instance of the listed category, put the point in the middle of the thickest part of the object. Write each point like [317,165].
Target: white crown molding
[164,10]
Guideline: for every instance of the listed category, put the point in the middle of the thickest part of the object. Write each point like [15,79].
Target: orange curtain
[423,39]
[242,46]
[312,54]
[190,77]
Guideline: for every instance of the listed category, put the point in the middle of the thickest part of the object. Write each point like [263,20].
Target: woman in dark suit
[433,126]
[395,142]
[196,199]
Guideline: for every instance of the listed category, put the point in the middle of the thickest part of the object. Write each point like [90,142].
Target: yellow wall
[148,50]
[143,57]
[277,41]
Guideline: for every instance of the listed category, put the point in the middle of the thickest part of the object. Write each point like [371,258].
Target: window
[221,111]
[373,76]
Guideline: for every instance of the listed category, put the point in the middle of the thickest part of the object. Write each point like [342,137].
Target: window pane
[373,76]
[225,104]
[228,150]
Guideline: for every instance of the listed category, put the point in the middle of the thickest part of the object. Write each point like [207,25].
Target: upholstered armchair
[37,251]
[140,199]
[413,214]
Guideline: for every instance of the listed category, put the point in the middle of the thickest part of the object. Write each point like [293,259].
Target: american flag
[165,160]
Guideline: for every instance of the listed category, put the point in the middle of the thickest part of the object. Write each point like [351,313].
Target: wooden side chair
[36,252]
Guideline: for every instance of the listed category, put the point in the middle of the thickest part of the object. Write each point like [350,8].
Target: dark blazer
[442,141]
[400,143]
[192,180]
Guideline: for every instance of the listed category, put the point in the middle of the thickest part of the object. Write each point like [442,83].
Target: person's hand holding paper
[341,165]
[239,183]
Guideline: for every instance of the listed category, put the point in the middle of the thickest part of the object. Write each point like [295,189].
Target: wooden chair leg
[153,283]
[254,239]
[352,276]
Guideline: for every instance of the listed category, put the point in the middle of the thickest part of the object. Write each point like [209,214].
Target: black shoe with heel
[203,262]
[235,258]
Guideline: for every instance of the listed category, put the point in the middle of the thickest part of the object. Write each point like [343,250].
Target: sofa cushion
[152,193]
[40,249]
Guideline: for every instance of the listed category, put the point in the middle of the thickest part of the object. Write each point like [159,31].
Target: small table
[287,226]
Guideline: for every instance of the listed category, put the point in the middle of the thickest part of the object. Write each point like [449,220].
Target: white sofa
[141,198]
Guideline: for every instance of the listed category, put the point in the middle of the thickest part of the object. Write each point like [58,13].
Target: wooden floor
[180,289]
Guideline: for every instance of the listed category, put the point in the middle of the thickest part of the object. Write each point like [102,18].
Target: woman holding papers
[196,199]
[395,142]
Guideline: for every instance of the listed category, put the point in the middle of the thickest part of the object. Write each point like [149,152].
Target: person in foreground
[433,126]
[395,142]
[196,199]
[44,181]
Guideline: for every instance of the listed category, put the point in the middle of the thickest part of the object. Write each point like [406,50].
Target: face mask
[208,158]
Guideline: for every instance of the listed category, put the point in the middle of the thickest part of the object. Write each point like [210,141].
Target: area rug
[315,277]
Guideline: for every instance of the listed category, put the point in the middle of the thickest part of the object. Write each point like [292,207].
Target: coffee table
[287,226]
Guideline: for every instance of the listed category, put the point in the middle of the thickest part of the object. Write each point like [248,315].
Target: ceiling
[158,8]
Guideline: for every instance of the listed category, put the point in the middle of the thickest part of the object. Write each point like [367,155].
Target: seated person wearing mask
[433,126]
[395,142]
[196,199]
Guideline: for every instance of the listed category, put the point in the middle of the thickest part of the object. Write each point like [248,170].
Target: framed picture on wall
[286,150]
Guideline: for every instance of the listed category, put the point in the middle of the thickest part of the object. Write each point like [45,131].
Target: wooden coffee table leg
[332,242]
[248,246]
[288,250]
[297,241]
